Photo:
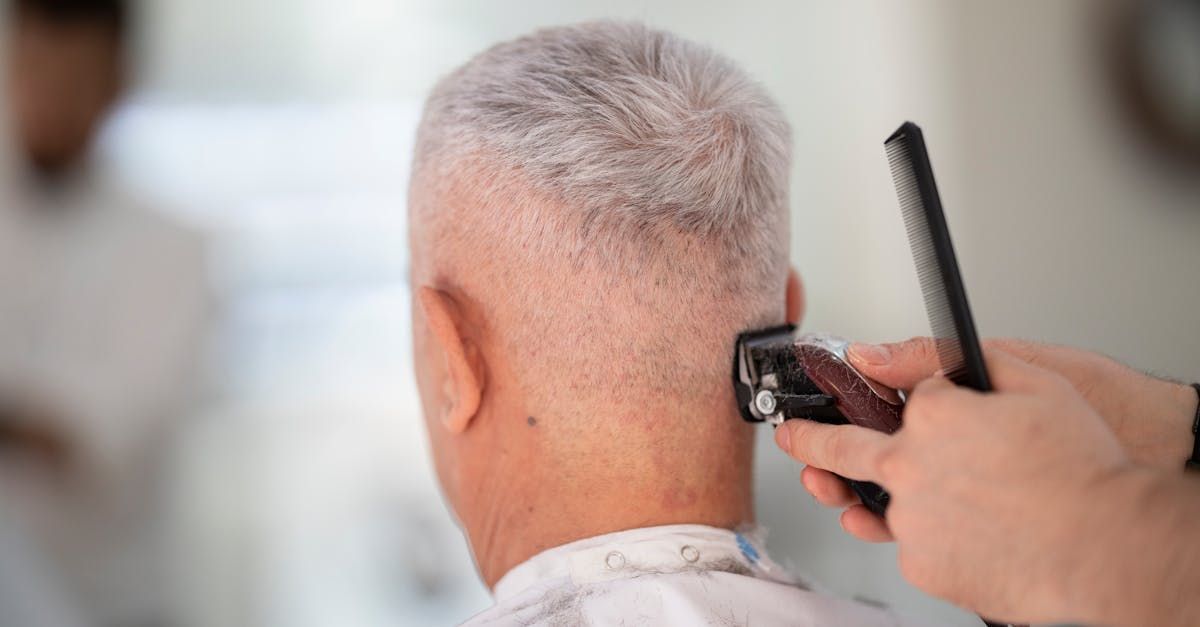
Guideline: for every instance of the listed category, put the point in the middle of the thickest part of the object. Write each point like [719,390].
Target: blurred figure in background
[101,315]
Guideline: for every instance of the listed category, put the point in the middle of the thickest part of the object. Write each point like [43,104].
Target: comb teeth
[916,224]
[937,269]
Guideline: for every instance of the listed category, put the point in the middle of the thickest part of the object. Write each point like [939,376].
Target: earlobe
[464,368]
[794,296]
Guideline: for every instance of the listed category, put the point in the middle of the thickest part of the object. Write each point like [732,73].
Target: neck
[556,483]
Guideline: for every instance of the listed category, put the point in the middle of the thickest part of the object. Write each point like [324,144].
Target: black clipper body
[778,376]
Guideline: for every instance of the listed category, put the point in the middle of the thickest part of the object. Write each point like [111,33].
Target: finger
[1025,350]
[1011,373]
[829,489]
[1007,372]
[929,386]
[859,522]
[899,365]
[936,403]
[847,450]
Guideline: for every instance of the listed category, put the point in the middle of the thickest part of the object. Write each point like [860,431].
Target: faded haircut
[650,164]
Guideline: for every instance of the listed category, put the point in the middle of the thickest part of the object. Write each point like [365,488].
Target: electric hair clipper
[778,376]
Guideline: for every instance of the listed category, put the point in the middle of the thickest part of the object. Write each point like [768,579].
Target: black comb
[937,268]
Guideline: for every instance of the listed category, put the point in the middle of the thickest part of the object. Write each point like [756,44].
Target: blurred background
[207,413]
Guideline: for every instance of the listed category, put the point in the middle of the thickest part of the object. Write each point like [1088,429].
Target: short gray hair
[657,150]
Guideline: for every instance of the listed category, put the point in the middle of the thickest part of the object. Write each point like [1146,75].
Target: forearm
[1142,564]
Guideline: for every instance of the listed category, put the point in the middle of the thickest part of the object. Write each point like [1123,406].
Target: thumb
[900,365]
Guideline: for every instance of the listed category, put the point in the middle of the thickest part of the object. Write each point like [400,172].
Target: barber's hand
[1151,418]
[990,493]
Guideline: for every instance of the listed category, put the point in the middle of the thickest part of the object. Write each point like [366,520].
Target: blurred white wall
[1073,228]
[284,125]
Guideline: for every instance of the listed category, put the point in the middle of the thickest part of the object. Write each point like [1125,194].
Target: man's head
[64,72]
[596,211]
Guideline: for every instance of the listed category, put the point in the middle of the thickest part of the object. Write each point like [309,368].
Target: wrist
[1182,422]
[1163,438]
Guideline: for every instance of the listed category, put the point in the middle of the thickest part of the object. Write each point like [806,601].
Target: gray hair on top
[657,152]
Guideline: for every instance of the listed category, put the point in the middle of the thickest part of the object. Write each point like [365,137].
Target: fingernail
[783,437]
[872,354]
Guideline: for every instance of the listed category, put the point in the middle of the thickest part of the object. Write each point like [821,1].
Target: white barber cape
[672,575]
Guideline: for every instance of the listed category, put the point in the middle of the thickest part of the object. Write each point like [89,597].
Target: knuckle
[915,404]
[920,347]
[1040,380]
[1021,349]
[1055,381]
[927,387]
[892,466]
[834,448]
[925,406]
[914,415]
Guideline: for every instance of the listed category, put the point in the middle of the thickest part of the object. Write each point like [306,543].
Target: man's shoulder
[681,598]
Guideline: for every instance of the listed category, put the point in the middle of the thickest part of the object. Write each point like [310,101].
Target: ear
[795,297]
[464,368]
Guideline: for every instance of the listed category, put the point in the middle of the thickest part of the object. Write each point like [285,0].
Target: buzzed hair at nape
[650,159]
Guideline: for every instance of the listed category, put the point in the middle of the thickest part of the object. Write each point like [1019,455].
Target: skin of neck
[532,480]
